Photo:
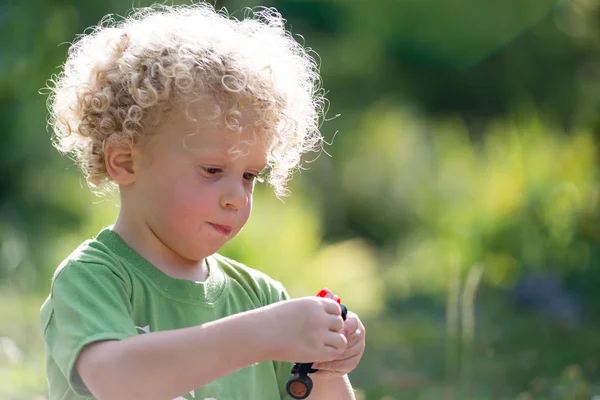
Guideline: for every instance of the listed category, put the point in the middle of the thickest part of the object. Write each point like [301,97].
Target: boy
[181,109]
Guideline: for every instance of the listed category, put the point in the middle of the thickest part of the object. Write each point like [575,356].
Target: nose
[234,197]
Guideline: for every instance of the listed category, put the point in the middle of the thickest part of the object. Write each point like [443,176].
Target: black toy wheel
[299,386]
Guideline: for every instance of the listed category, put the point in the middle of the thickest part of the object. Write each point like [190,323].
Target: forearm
[331,388]
[164,365]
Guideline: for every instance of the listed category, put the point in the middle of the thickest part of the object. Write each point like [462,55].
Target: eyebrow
[224,156]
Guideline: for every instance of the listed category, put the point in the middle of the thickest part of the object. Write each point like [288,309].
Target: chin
[201,252]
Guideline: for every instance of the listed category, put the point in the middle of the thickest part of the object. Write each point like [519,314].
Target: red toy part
[326,293]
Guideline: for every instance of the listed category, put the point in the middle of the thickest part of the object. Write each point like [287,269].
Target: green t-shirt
[105,290]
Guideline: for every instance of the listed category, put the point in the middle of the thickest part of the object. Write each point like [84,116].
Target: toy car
[300,385]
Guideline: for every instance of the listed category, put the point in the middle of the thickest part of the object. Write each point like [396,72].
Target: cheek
[181,201]
[245,213]
[172,192]
[193,202]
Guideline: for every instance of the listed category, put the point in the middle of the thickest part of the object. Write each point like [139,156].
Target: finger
[354,337]
[329,374]
[361,327]
[355,349]
[351,352]
[336,341]
[331,307]
[351,324]
[336,323]
[340,366]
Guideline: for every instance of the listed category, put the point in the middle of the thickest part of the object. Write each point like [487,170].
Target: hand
[303,330]
[354,331]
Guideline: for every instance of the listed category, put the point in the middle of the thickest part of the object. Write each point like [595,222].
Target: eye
[212,170]
[249,177]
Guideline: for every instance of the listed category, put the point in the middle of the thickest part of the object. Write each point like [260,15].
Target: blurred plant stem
[452,327]
[468,328]
[460,328]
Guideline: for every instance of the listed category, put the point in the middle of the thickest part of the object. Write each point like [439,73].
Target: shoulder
[89,278]
[261,283]
[91,259]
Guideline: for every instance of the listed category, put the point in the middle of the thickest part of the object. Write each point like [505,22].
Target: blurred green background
[456,212]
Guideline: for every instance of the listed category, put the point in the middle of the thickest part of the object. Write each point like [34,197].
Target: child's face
[194,193]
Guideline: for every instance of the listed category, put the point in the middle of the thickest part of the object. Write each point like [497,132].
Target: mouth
[224,230]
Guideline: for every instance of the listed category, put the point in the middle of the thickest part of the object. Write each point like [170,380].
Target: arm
[163,365]
[338,388]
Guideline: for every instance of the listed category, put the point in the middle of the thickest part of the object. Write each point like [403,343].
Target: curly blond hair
[121,78]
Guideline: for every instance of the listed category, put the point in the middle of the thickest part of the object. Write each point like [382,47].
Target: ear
[120,161]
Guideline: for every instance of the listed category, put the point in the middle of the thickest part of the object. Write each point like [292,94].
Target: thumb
[351,324]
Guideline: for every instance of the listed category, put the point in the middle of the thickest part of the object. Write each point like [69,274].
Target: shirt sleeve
[88,303]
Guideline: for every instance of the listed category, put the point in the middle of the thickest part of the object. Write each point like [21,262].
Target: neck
[140,237]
